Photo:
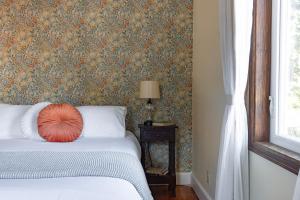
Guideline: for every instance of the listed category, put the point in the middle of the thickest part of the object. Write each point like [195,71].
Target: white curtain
[235,36]
[297,189]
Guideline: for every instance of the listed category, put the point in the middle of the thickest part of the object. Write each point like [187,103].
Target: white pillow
[29,121]
[103,121]
[10,120]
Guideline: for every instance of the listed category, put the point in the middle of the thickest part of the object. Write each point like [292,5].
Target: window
[269,76]
[285,77]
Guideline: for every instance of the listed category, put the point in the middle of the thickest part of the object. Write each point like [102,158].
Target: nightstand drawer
[152,136]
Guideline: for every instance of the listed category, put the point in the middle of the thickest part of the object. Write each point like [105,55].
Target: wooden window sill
[285,158]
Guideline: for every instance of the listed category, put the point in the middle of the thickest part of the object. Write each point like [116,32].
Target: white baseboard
[199,189]
[183,178]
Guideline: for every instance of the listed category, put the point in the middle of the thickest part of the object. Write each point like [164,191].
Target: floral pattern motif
[96,52]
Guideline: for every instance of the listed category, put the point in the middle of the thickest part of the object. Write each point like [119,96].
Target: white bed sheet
[71,188]
[128,144]
[78,188]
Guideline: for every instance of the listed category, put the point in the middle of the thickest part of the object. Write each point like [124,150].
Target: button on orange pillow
[60,123]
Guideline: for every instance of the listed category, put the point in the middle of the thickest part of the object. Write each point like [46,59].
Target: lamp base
[148,123]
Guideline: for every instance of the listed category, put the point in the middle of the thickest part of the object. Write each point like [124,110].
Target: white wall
[208,93]
[268,181]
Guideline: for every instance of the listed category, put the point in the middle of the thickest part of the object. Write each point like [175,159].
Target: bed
[71,188]
[59,152]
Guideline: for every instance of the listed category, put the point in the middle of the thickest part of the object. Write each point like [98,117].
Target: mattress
[71,188]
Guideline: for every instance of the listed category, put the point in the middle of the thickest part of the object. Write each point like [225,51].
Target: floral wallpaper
[96,52]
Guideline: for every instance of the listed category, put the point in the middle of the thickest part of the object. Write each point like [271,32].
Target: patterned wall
[96,52]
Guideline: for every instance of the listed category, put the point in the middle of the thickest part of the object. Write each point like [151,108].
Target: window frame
[259,88]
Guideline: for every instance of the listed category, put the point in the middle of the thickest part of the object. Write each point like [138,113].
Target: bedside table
[154,134]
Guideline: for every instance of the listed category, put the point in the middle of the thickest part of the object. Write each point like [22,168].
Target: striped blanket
[35,165]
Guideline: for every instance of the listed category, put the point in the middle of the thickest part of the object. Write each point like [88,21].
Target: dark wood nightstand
[154,134]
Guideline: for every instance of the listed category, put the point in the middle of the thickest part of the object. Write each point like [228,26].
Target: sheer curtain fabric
[235,37]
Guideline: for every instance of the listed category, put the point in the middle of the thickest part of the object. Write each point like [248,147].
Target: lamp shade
[149,90]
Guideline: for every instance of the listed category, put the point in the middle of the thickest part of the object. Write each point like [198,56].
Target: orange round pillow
[60,123]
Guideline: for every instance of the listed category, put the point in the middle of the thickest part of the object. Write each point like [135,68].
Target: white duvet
[74,188]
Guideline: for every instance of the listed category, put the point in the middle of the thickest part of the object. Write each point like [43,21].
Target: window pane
[290,59]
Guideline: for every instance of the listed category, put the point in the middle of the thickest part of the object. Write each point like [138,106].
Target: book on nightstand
[157,171]
[163,123]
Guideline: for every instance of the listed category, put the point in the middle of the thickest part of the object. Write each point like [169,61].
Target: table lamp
[149,90]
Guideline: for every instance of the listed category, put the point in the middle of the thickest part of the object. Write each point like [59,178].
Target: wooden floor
[182,193]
